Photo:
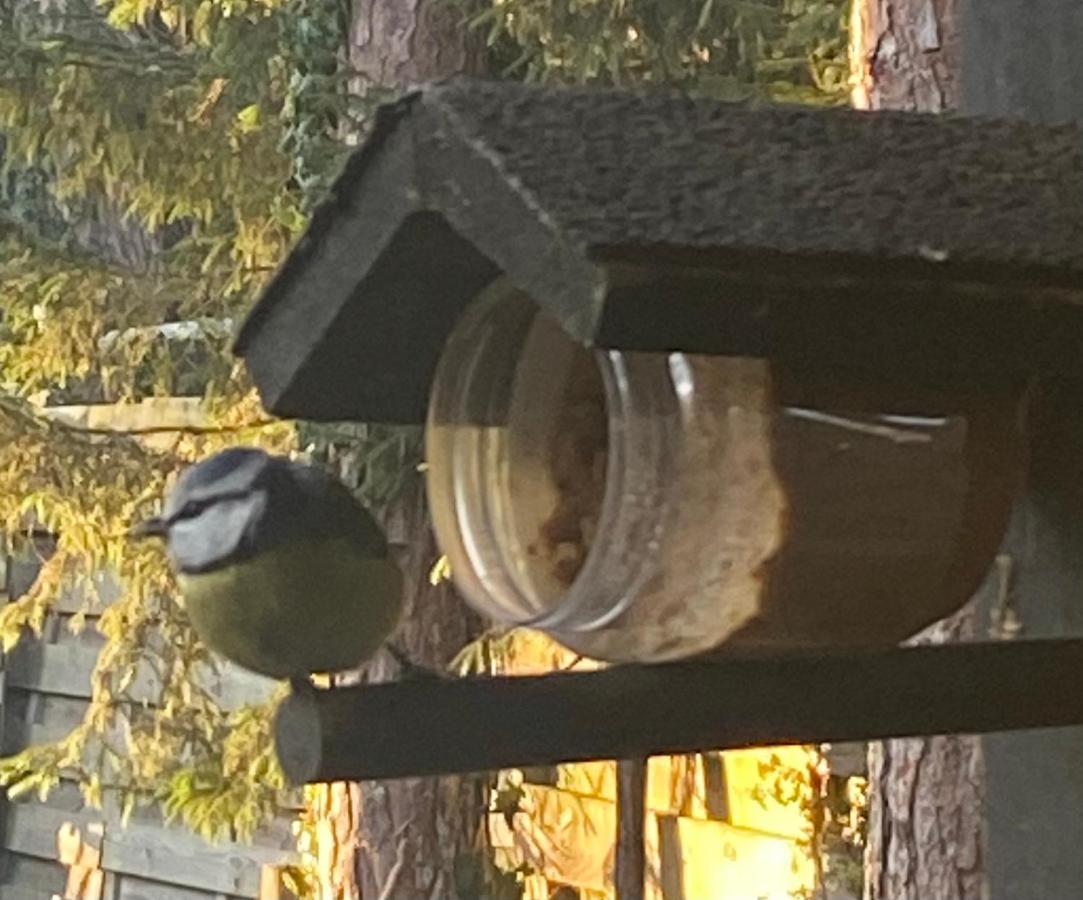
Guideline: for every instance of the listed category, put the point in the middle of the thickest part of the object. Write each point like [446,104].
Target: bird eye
[191,509]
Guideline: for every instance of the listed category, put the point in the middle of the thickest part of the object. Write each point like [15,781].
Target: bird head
[212,508]
[242,501]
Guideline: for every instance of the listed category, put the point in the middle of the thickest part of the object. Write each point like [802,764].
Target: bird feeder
[696,376]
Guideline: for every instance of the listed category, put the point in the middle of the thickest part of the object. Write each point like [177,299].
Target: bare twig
[392,880]
[172,429]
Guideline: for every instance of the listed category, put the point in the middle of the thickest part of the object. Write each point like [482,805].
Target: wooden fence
[61,847]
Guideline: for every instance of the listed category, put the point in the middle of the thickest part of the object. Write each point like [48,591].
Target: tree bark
[926,795]
[905,54]
[925,817]
[414,833]
[396,44]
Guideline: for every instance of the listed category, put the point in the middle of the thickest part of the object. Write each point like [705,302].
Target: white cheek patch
[220,533]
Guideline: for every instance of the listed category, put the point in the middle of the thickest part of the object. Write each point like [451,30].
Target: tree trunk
[905,54]
[925,825]
[396,44]
[415,834]
[926,795]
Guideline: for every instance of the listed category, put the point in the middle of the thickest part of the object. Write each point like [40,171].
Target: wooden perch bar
[435,726]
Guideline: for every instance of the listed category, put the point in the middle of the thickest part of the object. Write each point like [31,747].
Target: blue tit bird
[281,569]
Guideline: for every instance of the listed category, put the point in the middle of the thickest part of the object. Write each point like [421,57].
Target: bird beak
[152,527]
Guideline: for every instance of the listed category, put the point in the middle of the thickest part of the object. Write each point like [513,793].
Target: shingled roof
[464,180]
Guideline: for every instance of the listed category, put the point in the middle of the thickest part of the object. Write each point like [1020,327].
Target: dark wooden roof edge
[447,122]
[765,266]
[463,179]
[537,252]
[446,193]
[387,119]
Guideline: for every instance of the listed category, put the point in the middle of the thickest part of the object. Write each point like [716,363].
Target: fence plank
[670,858]
[131,888]
[32,827]
[62,668]
[148,851]
[21,892]
[32,873]
[65,668]
[176,856]
[102,590]
[55,717]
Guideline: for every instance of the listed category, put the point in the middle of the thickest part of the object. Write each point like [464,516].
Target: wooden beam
[405,729]
[631,864]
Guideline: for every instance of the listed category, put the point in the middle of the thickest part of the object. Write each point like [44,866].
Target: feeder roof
[578,195]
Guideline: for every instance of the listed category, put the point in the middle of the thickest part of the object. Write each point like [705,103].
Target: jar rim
[578,596]
[577,608]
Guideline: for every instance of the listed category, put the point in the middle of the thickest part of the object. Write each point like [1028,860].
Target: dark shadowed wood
[671,869]
[1021,59]
[418,728]
[880,215]
[630,871]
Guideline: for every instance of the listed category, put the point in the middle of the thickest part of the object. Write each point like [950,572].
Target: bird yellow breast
[301,608]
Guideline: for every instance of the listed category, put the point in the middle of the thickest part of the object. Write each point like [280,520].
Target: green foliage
[317,114]
[153,731]
[233,789]
[778,49]
[378,461]
[835,812]
[73,322]
[145,181]
[184,144]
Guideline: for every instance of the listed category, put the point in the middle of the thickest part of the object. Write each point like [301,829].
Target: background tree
[159,158]
[925,833]
[926,818]
[960,816]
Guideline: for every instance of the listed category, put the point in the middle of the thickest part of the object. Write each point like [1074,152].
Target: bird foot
[408,669]
[302,684]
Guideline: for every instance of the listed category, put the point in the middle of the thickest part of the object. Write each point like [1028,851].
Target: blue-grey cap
[242,502]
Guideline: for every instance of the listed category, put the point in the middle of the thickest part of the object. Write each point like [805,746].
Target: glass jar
[649,506]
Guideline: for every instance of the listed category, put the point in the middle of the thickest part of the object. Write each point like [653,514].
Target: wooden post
[670,859]
[631,865]
[404,729]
